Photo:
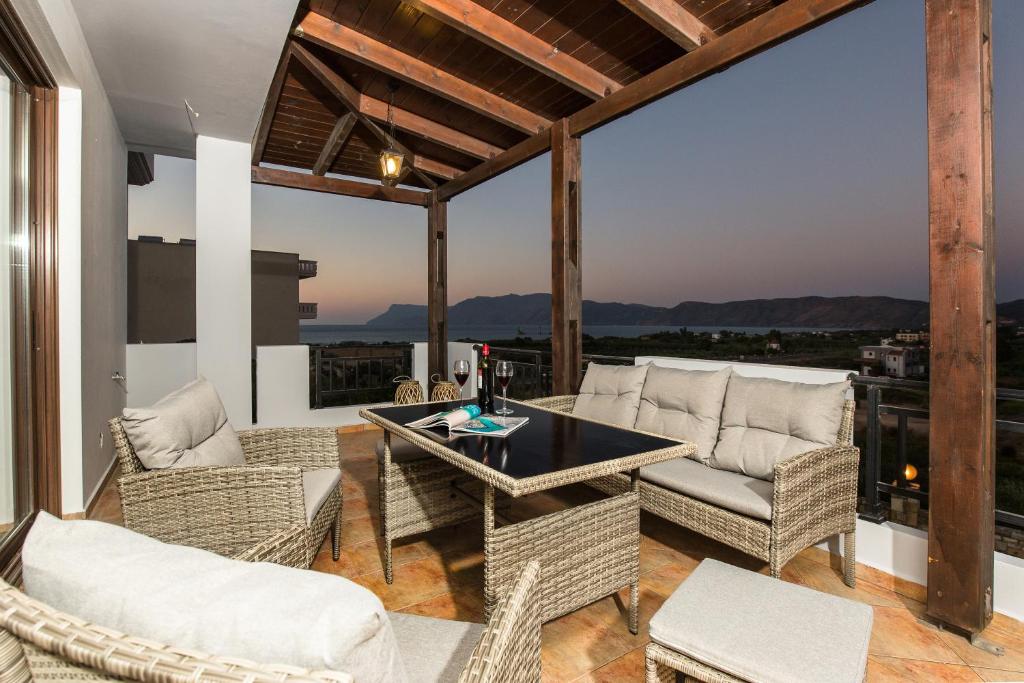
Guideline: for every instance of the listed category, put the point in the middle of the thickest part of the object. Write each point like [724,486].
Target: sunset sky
[801,171]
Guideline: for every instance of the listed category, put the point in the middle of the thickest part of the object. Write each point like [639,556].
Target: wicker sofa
[227,510]
[811,496]
[38,642]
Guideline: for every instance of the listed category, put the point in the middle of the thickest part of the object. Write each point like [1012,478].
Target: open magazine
[468,420]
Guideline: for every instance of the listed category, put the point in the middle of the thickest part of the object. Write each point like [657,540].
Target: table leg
[489,598]
[634,587]
[382,494]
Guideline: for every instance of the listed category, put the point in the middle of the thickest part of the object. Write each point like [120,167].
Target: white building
[893,361]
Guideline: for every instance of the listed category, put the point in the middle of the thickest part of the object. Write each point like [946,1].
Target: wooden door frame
[39,453]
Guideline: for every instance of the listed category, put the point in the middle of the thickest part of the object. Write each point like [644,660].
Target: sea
[375,334]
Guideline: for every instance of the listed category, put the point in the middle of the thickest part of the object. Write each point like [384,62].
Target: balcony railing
[307,311]
[355,375]
[307,269]
[532,368]
[896,435]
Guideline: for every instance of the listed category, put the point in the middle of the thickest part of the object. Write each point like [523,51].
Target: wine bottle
[484,388]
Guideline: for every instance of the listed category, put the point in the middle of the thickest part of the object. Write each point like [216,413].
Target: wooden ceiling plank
[671,19]
[400,65]
[342,129]
[349,188]
[270,105]
[524,47]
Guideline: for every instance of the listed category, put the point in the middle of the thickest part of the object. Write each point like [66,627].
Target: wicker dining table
[587,551]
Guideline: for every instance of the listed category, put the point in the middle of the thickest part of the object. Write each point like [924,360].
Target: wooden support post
[437,290]
[962,284]
[566,279]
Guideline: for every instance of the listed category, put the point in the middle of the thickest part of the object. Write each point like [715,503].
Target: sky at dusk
[800,171]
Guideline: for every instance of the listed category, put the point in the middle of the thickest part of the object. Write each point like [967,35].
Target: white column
[223,279]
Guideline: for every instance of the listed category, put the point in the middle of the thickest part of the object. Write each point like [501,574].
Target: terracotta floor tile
[828,579]
[886,669]
[363,558]
[466,604]
[629,667]
[999,675]
[898,633]
[1012,660]
[414,582]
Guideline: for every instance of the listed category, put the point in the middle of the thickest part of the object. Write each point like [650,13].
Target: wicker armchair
[227,510]
[815,497]
[38,643]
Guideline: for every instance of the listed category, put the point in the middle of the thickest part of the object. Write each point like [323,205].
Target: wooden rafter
[774,26]
[387,59]
[351,98]
[349,188]
[671,19]
[428,129]
[342,129]
[524,47]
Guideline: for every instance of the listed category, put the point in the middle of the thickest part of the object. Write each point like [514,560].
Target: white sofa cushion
[317,485]
[186,428]
[730,490]
[611,393]
[193,599]
[684,404]
[434,650]
[757,628]
[767,421]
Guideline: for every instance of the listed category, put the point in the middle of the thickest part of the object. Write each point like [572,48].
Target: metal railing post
[873,459]
[318,397]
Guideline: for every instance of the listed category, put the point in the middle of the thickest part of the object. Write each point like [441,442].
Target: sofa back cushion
[611,394]
[684,404]
[187,428]
[767,421]
[196,600]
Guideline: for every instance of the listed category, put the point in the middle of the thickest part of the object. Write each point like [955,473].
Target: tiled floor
[441,574]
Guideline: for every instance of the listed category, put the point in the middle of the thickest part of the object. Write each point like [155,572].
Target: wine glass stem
[504,403]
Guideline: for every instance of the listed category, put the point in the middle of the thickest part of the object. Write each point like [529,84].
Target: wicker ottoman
[729,624]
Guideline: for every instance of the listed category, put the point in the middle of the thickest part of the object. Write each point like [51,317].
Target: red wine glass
[503,371]
[461,375]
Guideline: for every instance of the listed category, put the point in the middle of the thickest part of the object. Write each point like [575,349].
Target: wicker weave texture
[445,391]
[662,665]
[228,510]
[586,553]
[509,649]
[408,391]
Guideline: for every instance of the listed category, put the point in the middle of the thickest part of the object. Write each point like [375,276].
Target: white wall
[223,265]
[155,370]
[92,227]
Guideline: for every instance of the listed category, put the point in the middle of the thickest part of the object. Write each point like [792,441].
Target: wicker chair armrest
[509,648]
[562,404]
[286,546]
[226,510]
[815,497]
[306,447]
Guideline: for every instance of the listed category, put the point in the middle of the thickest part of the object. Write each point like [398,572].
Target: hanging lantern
[390,158]
[391,163]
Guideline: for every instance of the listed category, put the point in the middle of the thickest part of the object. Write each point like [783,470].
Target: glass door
[15,308]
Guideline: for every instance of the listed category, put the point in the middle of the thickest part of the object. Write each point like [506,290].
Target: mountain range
[843,312]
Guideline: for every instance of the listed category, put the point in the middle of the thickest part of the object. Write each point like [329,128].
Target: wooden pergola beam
[350,98]
[336,140]
[349,188]
[398,64]
[437,290]
[427,129]
[566,262]
[961,524]
[524,47]
[672,20]
[774,26]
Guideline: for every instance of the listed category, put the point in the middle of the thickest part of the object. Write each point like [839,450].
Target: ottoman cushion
[758,628]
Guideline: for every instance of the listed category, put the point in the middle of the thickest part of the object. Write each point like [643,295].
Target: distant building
[909,337]
[162,293]
[893,361]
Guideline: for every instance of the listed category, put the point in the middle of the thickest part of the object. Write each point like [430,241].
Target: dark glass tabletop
[549,442]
